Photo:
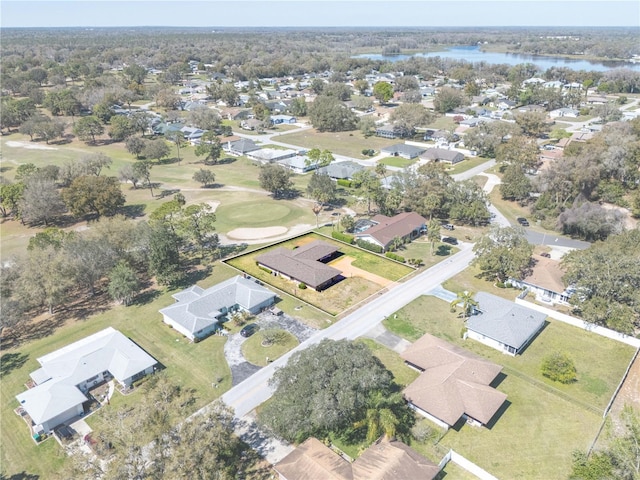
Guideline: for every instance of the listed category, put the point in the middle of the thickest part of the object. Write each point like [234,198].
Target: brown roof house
[545,281]
[455,383]
[503,325]
[384,460]
[407,225]
[304,264]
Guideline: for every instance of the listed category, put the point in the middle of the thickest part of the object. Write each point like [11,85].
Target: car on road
[523,221]
[249,330]
[448,226]
[450,240]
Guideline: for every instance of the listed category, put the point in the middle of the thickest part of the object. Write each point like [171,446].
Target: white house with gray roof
[197,313]
[503,325]
[67,374]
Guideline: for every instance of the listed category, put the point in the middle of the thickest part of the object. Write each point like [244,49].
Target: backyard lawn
[543,421]
[350,144]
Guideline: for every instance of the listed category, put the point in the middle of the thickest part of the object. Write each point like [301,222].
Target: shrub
[559,367]
[302,286]
[343,182]
[422,431]
[415,262]
[269,271]
[395,257]
[372,247]
[343,237]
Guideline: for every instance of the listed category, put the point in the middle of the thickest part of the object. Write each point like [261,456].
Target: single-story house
[406,225]
[545,281]
[454,383]
[298,164]
[197,313]
[251,124]
[564,112]
[305,264]
[442,155]
[283,119]
[192,133]
[341,170]
[240,147]
[384,460]
[386,131]
[503,325]
[66,375]
[403,150]
[269,155]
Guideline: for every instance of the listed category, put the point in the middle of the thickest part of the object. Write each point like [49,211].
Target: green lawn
[403,374]
[544,421]
[256,353]
[193,365]
[343,143]
[397,162]
[467,164]
[468,280]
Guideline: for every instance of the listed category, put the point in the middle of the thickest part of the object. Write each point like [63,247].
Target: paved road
[249,394]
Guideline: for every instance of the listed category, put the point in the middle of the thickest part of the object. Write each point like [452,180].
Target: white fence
[466,465]
[576,322]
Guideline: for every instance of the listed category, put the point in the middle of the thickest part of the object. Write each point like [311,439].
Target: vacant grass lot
[544,421]
[350,144]
[397,162]
[339,297]
[256,353]
[193,365]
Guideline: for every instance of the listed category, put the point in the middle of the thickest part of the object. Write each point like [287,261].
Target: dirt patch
[629,222]
[629,394]
[256,233]
[344,265]
[29,146]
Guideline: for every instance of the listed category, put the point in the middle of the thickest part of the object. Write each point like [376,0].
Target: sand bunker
[256,233]
[30,146]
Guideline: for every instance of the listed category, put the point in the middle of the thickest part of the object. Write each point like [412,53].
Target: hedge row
[395,257]
[372,247]
[343,237]
[343,182]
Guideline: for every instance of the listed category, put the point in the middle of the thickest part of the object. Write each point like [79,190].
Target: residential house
[197,313]
[270,155]
[506,104]
[235,113]
[403,150]
[406,225]
[545,281]
[564,112]
[384,460]
[240,147]
[341,170]
[66,375]
[298,164]
[192,134]
[442,155]
[283,119]
[251,124]
[306,264]
[387,131]
[454,383]
[503,325]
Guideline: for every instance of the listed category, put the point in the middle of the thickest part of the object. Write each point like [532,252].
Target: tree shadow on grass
[192,277]
[12,361]
[134,210]
[226,160]
[28,331]
[145,297]
[167,193]
[20,476]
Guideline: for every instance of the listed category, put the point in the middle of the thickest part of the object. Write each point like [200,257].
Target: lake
[473,54]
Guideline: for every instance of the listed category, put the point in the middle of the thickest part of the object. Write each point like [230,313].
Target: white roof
[197,308]
[62,370]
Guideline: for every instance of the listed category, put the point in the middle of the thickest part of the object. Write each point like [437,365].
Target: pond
[474,54]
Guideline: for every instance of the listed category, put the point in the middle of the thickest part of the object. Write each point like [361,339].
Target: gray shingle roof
[505,321]
[197,309]
[344,170]
[403,149]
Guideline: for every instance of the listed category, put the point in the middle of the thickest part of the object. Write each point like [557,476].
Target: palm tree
[380,417]
[468,303]
[433,234]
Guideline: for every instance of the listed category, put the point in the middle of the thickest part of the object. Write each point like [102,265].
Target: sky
[319,13]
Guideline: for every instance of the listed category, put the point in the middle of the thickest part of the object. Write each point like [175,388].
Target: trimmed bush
[343,182]
[343,237]
[269,271]
[559,367]
[372,247]
[395,257]
[302,286]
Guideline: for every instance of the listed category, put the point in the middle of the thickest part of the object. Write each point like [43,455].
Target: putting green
[254,213]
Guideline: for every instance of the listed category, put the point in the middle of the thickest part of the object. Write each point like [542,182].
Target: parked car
[448,226]
[249,330]
[523,221]
[545,254]
[450,240]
